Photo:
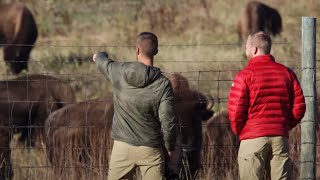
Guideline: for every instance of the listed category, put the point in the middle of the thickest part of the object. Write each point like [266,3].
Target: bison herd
[76,135]
[43,110]
[25,103]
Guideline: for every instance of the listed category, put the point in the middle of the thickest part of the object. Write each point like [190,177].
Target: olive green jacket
[144,104]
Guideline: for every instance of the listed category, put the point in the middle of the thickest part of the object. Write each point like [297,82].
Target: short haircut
[261,40]
[148,43]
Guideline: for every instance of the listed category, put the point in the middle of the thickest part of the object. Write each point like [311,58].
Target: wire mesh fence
[76,141]
[56,124]
[56,117]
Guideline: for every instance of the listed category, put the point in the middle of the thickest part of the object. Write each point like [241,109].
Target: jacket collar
[257,59]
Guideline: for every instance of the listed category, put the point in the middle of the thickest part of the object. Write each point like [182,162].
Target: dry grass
[194,36]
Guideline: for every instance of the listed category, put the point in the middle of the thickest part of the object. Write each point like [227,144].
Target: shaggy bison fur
[78,139]
[257,16]
[79,135]
[18,33]
[220,147]
[25,103]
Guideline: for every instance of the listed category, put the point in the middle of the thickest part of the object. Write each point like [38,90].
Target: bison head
[192,107]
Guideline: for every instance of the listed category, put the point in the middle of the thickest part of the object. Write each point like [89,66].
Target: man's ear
[255,50]
[137,51]
[155,53]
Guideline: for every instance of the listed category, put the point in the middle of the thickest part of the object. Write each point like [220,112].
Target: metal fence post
[308,83]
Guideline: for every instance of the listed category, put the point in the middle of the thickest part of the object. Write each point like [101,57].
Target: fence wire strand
[217,151]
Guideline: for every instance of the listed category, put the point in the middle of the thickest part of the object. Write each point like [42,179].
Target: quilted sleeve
[299,105]
[238,103]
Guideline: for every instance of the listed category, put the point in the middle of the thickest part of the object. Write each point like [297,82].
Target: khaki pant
[125,158]
[263,155]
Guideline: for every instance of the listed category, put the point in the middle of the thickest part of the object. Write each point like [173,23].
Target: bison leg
[17,57]
[5,155]
[169,174]
[11,54]
[34,133]
[24,52]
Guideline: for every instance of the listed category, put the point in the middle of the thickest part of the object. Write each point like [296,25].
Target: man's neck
[258,54]
[146,61]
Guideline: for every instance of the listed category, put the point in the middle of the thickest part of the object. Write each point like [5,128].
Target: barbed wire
[71,77]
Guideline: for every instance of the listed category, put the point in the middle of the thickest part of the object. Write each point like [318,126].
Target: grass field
[197,38]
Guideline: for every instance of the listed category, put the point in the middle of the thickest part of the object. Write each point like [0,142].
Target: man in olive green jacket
[144,118]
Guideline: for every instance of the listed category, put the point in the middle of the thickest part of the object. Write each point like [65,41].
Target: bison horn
[210,102]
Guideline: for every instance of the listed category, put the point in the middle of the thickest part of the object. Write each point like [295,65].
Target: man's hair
[261,40]
[148,43]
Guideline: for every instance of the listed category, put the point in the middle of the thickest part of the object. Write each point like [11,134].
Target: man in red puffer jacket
[265,102]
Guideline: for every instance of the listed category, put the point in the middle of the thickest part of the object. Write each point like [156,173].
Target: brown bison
[192,108]
[78,135]
[78,139]
[257,16]
[18,33]
[25,103]
[220,147]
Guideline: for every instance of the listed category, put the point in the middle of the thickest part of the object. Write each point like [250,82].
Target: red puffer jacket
[265,100]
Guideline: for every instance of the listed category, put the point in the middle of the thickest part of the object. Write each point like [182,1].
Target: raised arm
[105,64]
